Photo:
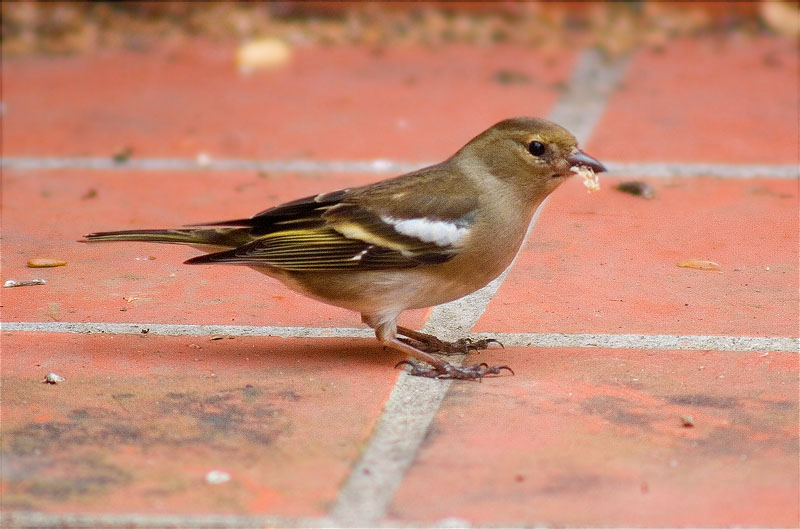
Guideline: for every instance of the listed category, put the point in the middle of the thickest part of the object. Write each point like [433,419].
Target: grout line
[665,342]
[367,493]
[383,166]
[211,521]
[222,164]
[714,170]
[170,329]
[368,490]
[594,79]
[32,519]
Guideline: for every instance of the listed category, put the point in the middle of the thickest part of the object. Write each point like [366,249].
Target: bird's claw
[468,344]
[472,372]
[458,347]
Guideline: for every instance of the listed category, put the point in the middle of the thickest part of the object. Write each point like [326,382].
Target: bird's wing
[353,229]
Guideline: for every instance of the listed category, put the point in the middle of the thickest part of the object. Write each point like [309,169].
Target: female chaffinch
[416,240]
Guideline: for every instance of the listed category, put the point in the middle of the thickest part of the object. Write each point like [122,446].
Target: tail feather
[217,238]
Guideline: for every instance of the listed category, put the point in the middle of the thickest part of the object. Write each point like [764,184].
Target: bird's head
[533,154]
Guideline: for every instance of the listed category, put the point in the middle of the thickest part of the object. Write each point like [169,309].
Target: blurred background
[221,79]
[60,28]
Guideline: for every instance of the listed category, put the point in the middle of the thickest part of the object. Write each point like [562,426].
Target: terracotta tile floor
[705,101]
[580,436]
[142,419]
[588,437]
[612,254]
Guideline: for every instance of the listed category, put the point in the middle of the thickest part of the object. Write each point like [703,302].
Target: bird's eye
[536,148]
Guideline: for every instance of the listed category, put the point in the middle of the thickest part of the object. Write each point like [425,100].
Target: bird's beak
[579,158]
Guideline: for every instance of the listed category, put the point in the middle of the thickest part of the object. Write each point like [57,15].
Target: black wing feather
[342,230]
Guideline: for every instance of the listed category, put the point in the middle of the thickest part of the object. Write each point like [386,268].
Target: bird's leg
[432,344]
[386,332]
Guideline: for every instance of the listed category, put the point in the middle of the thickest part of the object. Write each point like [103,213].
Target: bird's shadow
[255,352]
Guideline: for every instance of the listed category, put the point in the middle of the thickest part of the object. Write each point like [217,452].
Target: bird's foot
[432,344]
[446,370]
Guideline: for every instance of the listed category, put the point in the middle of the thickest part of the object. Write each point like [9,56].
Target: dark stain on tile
[76,477]
[706,401]
[781,404]
[601,404]
[289,395]
[64,459]
[742,440]
[35,438]
[91,414]
[726,441]
[219,418]
[633,419]
[250,393]
[60,477]
[616,410]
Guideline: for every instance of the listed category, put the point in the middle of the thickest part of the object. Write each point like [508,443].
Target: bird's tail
[222,238]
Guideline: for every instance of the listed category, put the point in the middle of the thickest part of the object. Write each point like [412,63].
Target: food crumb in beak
[590,179]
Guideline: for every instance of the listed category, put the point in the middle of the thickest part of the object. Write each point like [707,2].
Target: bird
[412,241]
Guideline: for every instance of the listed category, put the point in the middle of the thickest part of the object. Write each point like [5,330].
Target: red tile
[592,437]
[606,263]
[45,212]
[141,420]
[705,100]
[405,103]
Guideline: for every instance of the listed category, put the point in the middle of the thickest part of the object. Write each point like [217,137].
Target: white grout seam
[378,166]
[32,519]
[382,166]
[594,79]
[170,329]
[146,521]
[665,342]
[42,520]
[692,170]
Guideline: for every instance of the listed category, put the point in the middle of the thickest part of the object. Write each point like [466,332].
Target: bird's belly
[380,291]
